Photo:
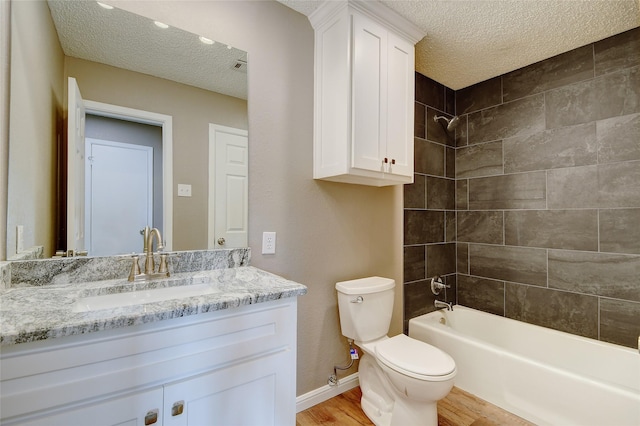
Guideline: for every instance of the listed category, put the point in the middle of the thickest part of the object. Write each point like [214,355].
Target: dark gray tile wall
[430,202]
[535,202]
[548,226]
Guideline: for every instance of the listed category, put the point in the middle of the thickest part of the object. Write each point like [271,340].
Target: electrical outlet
[184,190]
[268,243]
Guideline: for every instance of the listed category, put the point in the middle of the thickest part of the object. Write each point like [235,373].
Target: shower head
[451,122]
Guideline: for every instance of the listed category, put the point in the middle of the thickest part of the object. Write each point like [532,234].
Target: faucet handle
[437,285]
[135,268]
[163,269]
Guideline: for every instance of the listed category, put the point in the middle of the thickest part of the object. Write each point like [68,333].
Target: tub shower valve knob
[437,285]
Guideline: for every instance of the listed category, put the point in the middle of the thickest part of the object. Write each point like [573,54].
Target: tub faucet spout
[439,304]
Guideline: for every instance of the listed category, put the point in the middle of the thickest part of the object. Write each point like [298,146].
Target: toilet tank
[365,307]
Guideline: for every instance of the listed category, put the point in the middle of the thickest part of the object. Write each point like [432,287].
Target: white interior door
[75,167]
[228,187]
[119,196]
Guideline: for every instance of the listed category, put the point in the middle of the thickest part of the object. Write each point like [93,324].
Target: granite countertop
[30,314]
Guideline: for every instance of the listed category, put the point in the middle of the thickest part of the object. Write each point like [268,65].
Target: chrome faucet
[439,304]
[149,264]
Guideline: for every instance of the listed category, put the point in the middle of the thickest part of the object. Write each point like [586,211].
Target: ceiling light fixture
[206,40]
[105,6]
[161,24]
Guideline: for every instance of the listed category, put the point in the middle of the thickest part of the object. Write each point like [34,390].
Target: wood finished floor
[459,408]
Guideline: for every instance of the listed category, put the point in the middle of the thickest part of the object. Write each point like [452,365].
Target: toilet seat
[414,358]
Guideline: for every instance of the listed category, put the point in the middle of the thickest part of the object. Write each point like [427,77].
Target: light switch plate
[184,190]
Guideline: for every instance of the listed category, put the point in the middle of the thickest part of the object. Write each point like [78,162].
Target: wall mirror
[125,65]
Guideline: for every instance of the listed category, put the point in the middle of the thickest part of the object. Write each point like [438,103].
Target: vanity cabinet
[235,366]
[364,94]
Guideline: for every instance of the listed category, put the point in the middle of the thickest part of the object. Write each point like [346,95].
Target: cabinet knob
[221,241]
[393,161]
[151,417]
[177,408]
[386,160]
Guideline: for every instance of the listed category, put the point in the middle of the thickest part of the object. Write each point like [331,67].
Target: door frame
[166,123]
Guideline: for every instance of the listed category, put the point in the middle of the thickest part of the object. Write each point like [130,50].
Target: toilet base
[377,402]
[408,412]
[377,417]
[384,406]
[402,415]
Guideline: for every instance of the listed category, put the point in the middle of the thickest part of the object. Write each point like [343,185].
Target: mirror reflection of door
[228,187]
[119,196]
[123,184]
[75,168]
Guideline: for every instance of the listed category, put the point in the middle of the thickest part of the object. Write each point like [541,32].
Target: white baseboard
[319,395]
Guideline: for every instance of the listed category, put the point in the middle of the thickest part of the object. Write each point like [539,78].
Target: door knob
[221,241]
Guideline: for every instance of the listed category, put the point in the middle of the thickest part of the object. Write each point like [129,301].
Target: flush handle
[358,299]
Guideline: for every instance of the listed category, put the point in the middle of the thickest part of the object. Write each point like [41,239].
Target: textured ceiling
[469,41]
[125,40]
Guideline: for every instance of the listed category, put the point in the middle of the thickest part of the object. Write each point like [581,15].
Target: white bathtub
[545,376]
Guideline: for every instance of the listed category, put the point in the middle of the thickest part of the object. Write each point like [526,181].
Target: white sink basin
[140,297]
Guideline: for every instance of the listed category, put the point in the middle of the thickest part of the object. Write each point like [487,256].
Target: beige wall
[326,232]
[34,95]
[192,110]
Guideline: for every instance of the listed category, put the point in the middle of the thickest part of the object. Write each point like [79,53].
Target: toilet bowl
[401,378]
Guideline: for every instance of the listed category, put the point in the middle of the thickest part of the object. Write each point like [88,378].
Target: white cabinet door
[138,409]
[369,94]
[400,109]
[256,392]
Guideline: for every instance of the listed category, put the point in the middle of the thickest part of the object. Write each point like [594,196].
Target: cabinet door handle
[386,160]
[393,161]
[151,417]
[177,408]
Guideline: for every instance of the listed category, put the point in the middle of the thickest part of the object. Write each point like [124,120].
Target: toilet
[401,378]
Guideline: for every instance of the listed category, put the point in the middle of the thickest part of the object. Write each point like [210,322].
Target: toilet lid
[414,358]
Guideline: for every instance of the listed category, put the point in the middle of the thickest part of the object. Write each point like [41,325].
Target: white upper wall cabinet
[364,93]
